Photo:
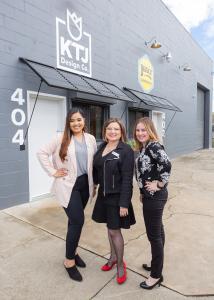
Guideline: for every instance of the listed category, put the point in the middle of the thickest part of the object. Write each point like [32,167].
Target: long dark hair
[68,133]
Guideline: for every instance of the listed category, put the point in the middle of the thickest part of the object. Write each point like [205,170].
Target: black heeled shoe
[146,267]
[74,273]
[143,284]
[79,262]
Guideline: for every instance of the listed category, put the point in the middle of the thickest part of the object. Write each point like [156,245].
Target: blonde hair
[150,128]
[122,128]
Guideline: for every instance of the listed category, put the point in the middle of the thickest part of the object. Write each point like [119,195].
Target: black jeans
[153,212]
[75,212]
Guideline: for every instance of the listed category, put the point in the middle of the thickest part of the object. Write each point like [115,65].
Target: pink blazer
[62,186]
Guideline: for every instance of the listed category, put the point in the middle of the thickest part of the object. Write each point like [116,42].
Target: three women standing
[152,173]
[72,165]
[113,171]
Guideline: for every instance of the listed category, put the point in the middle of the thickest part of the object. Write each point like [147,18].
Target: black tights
[117,248]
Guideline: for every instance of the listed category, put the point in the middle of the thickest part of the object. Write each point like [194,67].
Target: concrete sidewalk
[32,245]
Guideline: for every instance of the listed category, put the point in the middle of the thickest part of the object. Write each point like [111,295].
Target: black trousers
[75,213]
[153,212]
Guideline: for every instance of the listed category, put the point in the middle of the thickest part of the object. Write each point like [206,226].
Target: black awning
[151,100]
[66,80]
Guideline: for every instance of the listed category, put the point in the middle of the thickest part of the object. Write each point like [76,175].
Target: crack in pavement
[196,214]
[170,208]
[134,239]
[51,233]
[101,256]
[164,219]
[130,240]
[102,288]
[163,285]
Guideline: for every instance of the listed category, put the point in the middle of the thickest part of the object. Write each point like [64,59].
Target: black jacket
[116,175]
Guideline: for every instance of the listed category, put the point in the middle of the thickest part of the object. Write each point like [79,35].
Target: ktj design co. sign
[73,45]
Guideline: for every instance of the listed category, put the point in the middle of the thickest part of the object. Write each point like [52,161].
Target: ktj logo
[73,45]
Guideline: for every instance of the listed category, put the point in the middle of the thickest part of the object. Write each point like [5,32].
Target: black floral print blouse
[152,164]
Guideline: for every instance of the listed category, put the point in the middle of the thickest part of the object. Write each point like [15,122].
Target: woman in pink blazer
[71,166]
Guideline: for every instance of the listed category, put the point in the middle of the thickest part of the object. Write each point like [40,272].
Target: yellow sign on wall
[145,73]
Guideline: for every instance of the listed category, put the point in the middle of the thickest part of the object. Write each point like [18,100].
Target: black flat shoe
[146,267]
[79,262]
[74,273]
[143,284]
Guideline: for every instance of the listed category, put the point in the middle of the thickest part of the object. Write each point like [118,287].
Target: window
[133,116]
[95,117]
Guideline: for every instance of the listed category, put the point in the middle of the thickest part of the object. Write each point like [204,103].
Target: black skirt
[105,212]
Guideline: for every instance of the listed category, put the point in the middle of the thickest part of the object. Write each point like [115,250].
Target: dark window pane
[134,115]
[96,121]
[95,117]
[132,119]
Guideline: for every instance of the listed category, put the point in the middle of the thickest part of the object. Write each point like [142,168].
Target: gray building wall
[119,30]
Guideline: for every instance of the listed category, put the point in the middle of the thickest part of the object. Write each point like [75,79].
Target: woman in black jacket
[152,172]
[113,171]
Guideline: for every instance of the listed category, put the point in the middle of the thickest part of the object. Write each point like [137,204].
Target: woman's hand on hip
[151,186]
[123,212]
[61,172]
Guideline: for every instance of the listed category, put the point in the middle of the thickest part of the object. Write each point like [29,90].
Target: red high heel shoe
[123,278]
[106,267]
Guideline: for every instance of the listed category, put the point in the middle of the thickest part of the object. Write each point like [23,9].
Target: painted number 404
[18,116]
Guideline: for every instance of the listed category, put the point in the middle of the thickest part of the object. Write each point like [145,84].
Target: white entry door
[158,117]
[47,120]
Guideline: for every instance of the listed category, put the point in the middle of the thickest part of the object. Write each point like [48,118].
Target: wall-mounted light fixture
[167,57]
[154,43]
[185,67]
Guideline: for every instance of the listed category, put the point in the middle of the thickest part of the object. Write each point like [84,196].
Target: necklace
[108,149]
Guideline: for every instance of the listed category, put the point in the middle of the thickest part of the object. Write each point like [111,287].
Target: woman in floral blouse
[152,173]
